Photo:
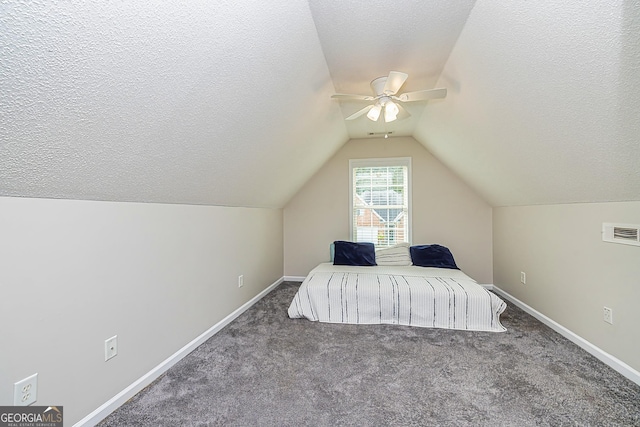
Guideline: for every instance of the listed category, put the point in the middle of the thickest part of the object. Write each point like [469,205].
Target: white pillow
[394,255]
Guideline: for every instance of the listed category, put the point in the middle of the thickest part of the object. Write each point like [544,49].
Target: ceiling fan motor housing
[377,85]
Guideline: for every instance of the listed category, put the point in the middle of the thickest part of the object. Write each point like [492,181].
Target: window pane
[380,204]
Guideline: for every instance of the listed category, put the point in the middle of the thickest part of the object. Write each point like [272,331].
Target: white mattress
[404,295]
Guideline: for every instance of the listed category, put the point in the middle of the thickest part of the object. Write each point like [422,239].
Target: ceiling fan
[385,98]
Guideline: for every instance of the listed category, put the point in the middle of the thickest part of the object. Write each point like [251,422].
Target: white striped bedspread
[407,295]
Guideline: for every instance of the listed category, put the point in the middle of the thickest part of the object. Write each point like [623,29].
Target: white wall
[571,273]
[74,273]
[445,210]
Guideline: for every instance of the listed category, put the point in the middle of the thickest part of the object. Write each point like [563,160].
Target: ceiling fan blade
[402,113]
[394,82]
[359,113]
[423,95]
[350,97]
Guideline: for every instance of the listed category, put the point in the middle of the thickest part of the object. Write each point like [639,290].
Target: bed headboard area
[365,254]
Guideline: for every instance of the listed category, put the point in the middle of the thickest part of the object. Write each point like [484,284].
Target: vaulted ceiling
[229,102]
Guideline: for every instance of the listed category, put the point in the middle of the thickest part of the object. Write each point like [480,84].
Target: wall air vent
[621,233]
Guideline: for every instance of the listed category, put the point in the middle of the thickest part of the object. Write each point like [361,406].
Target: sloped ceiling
[202,102]
[544,102]
[228,103]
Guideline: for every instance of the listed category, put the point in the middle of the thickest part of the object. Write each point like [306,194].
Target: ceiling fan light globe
[392,108]
[389,118]
[374,113]
[391,111]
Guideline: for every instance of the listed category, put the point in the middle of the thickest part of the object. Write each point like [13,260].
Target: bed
[407,295]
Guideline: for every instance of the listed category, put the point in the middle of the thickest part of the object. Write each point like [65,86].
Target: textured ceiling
[544,103]
[228,102]
[202,102]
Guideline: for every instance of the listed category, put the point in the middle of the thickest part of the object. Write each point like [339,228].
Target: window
[380,200]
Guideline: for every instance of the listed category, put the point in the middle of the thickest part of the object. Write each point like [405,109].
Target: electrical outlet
[25,392]
[111,348]
[240,281]
[523,278]
[608,315]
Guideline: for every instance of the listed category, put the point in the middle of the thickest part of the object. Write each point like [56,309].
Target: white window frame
[380,162]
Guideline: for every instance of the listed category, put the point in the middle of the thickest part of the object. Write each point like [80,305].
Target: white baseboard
[112,404]
[116,401]
[605,357]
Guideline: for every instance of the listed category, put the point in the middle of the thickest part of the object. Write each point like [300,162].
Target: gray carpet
[265,369]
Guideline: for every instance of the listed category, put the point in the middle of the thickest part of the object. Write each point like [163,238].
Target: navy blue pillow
[432,256]
[351,253]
